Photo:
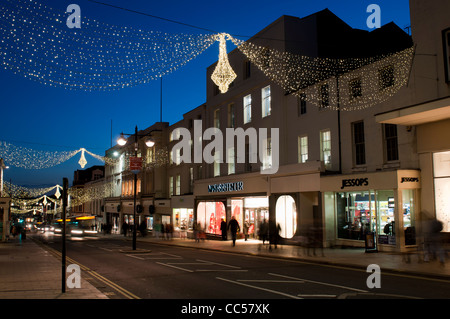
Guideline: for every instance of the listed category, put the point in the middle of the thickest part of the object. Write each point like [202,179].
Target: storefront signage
[410,179]
[355,182]
[226,187]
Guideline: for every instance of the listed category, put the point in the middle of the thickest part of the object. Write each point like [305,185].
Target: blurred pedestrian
[246,227]
[263,231]
[433,241]
[233,226]
[223,229]
[274,234]
[125,228]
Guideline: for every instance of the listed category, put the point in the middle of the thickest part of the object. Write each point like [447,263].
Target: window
[355,87]
[247,68]
[441,174]
[302,149]
[231,115]
[391,143]
[150,155]
[301,104]
[265,97]
[247,109]
[286,216]
[359,149]
[325,148]
[230,161]
[178,185]
[446,46]
[191,179]
[217,118]
[171,186]
[324,96]
[267,157]
[217,164]
[386,77]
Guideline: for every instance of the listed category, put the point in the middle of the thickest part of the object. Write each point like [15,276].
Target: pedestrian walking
[125,228]
[246,227]
[223,228]
[233,226]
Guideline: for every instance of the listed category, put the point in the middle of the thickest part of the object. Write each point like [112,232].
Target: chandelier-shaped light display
[223,74]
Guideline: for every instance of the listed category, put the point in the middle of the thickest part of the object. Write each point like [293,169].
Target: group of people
[267,232]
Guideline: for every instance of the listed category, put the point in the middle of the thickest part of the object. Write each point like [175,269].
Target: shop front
[242,196]
[182,215]
[383,204]
[289,199]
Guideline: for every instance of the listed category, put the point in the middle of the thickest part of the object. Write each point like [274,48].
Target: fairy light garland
[37,44]
[27,158]
[305,76]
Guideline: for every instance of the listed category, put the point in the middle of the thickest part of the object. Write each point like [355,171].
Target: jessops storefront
[384,204]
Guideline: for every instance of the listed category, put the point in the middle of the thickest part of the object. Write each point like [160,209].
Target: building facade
[303,165]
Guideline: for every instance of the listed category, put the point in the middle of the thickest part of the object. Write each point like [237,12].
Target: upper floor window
[231,116]
[355,87]
[324,96]
[359,148]
[217,118]
[301,104]
[446,46]
[386,77]
[247,69]
[247,108]
[302,149]
[325,148]
[391,142]
[265,98]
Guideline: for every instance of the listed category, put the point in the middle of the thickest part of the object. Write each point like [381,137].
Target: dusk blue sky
[55,119]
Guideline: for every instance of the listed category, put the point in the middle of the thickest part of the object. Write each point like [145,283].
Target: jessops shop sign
[226,187]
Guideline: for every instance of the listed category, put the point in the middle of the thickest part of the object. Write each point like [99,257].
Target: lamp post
[137,165]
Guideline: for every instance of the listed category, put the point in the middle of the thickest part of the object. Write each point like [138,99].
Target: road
[158,271]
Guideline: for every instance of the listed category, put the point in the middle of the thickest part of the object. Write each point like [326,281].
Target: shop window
[354,214]
[209,216]
[385,208]
[183,219]
[441,173]
[286,216]
[409,216]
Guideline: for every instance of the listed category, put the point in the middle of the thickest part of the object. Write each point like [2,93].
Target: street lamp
[149,143]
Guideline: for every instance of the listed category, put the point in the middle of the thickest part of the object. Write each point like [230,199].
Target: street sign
[135,164]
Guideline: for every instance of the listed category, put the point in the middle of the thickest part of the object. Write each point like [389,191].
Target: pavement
[29,271]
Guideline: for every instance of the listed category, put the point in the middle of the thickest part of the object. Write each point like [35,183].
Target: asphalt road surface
[158,271]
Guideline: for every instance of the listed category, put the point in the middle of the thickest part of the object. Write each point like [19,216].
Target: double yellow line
[93,273]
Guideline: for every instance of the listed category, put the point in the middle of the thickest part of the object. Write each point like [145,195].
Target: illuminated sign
[226,187]
[355,182]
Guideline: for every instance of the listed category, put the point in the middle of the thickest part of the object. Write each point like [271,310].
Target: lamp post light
[122,141]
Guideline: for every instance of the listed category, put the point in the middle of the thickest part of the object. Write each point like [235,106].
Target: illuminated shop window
[286,216]
[441,167]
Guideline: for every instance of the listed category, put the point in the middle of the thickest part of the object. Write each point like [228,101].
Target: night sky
[55,119]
